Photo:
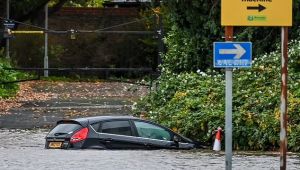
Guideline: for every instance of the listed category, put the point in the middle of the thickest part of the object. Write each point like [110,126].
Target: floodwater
[24,149]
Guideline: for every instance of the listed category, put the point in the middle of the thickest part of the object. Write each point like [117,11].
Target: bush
[9,89]
[194,104]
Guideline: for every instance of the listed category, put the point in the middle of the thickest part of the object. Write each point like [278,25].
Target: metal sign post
[7,39]
[228,110]
[228,119]
[46,64]
[283,107]
[230,55]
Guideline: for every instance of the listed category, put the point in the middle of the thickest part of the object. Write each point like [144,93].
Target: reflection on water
[21,149]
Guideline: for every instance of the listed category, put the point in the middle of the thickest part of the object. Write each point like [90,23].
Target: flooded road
[24,149]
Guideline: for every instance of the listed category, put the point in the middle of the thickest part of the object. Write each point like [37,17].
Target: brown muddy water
[24,149]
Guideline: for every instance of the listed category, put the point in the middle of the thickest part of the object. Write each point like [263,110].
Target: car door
[118,134]
[153,136]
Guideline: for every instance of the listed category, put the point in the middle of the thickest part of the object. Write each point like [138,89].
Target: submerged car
[114,132]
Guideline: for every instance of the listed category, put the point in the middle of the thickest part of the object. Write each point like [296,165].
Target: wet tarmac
[72,100]
[24,149]
[45,114]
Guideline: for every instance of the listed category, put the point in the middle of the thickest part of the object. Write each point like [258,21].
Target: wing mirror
[176,139]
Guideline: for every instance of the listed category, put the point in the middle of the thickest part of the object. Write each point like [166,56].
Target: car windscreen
[67,128]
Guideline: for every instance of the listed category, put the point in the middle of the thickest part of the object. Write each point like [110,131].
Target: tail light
[80,135]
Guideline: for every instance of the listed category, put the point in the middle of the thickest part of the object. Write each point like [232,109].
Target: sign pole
[283,106]
[228,103]
[7,39]
[46,64]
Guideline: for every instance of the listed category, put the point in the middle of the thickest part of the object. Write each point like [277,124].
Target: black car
[114,132]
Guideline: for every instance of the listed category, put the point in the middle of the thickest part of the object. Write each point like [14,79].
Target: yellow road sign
[256,12]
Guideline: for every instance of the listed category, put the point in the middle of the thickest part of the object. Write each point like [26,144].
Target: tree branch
[31,13]
[57,6]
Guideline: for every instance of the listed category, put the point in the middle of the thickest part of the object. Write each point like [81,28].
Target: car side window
[119,127]
[147,130]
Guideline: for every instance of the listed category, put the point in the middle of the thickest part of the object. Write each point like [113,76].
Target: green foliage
[181,52]
[257,100]
[85,3]
[194,105]
[7,90]
[194,25]
[185,100]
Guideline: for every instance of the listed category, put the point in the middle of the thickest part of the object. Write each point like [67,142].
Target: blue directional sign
[232,54]
[9,24]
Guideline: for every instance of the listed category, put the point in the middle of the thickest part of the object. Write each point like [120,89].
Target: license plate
[55,145]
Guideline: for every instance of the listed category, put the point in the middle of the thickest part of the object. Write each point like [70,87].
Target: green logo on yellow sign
[257,18]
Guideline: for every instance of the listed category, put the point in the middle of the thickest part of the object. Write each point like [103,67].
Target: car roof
[95,119]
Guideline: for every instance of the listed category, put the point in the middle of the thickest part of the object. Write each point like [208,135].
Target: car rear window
[65,128]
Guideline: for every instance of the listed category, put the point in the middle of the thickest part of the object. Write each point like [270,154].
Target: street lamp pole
[46,64]
[7,39]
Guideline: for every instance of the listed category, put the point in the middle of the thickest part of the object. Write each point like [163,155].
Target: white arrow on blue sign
[232,54]
[9,24]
